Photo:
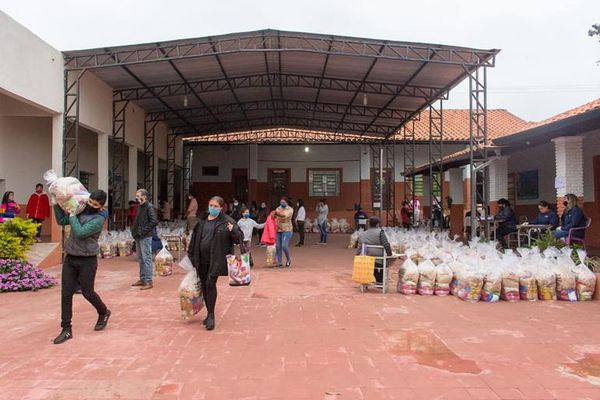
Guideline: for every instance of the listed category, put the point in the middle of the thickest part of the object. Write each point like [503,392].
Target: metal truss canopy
[256,79]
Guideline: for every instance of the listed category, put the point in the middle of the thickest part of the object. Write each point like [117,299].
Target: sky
[547,64]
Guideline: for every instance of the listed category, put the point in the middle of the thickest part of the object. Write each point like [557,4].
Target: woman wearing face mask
[283,218]
[247,226]
[573,217]
[212,240]
[261,219]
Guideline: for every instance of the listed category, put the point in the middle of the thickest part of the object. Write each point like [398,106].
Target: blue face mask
[246,215]
[213,211]
[282,205]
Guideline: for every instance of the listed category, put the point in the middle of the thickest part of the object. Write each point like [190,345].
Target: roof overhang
[270,79]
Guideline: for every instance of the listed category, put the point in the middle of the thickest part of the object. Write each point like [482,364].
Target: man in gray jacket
[375,236]
[145,221]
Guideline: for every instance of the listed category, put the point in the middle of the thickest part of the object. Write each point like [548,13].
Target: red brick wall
[457,220]
[592,236]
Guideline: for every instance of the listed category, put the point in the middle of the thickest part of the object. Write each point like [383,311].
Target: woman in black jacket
[212,240]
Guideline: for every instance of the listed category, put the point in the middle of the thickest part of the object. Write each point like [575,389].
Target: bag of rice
[443,278]
[67,192]
[427,272]
[408,277]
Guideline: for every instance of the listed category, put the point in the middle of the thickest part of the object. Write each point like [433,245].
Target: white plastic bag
[163,262]
[67,192]
[186,264]
[443,278]
[585,279]
[427,272]
[408,277]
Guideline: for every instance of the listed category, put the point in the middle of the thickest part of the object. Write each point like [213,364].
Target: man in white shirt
[300,218]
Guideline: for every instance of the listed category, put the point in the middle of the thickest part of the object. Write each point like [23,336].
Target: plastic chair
[386,261]
[571,239]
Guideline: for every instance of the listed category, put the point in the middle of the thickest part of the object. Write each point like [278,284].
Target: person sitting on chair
[573,217]
[507,222]
[375,236]
[546,216]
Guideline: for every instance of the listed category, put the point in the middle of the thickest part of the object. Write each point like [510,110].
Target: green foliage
[23,229]
[546,240]
[11,247]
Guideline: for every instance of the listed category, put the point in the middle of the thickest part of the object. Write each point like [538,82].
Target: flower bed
[19,276]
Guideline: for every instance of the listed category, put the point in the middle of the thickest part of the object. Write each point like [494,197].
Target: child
[247,225]
[9,208]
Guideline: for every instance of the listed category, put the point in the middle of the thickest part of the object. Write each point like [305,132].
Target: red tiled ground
[304,333]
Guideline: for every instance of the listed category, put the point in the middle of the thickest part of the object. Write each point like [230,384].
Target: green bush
[24,229]
[11,247]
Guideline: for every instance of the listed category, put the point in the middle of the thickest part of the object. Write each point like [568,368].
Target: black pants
[301,231]
[208,284]
[247,248]
[259,233]
[501,233]
[79,271]
[39,228]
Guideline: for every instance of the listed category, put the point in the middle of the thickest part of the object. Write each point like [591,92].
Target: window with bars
[324,183]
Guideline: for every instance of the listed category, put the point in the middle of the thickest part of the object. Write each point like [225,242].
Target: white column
[456,185]
[57,144]
[365,162]
[253,162]
[498,179]
[133,172]
[103,162]
[569,165]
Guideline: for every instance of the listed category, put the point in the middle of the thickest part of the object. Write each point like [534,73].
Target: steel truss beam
[275,105]
[149,140]
[384,193]
[117,167]
[171,139]
[276,79]
[282,135]
[276,122]
[257,42]
[478,143]
[408,148]
[436,167]
[70,153]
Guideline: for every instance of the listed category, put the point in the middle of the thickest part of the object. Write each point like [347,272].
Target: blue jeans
[282,242]
[144,254]
[323,230]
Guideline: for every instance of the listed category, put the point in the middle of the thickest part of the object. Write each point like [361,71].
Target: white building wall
[25,154]
[421,156]
[30,68]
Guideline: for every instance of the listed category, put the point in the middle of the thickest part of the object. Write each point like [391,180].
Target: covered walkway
[304,333]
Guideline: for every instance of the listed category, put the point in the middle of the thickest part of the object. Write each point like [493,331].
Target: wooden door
[279,183]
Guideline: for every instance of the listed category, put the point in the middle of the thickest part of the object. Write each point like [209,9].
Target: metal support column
[408,147]
[436,167]
[188,159]
[71,123]
[383,167]
[478,143]
[149,135]
[390,169]
[171,139]
[376,177]
[117,163]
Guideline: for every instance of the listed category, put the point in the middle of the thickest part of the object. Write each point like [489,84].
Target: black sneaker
[102,321]
[65,335]
[210,323]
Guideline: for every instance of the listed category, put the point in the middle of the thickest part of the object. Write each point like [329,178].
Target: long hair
[5,197]
[219,200]
[571,198]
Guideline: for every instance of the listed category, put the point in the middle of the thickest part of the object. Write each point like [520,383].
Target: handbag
[364,268]
[238,269]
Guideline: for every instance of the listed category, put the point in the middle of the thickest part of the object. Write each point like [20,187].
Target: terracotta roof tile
[456,124]
[592,105]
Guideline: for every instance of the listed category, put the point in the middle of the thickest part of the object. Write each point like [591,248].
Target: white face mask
[235,203]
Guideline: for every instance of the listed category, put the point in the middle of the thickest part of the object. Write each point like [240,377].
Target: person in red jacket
[38,208]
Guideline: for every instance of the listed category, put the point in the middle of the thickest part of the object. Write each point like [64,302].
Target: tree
[595,31]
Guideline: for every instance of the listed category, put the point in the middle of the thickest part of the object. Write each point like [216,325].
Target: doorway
[279,183]
[240,184]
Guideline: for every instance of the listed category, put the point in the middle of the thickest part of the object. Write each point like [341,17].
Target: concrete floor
[303,333]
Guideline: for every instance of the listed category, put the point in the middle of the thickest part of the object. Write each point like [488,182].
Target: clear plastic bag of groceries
[492,281]
[67,192]
[585,279]
[510,278]
[408,277]
[443,279]
[270,258]
[190,295]
[565,277]
[186,264]
[427,273]
[469,284]
[163,262]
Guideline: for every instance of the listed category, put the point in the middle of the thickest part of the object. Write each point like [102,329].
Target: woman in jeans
[283,219]
[213,239]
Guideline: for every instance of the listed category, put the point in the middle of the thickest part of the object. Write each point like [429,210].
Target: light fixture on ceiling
[185,101]
[306,149]
[365,100]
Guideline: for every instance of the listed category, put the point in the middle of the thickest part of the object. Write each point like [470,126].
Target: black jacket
[222,244]
[145,220]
